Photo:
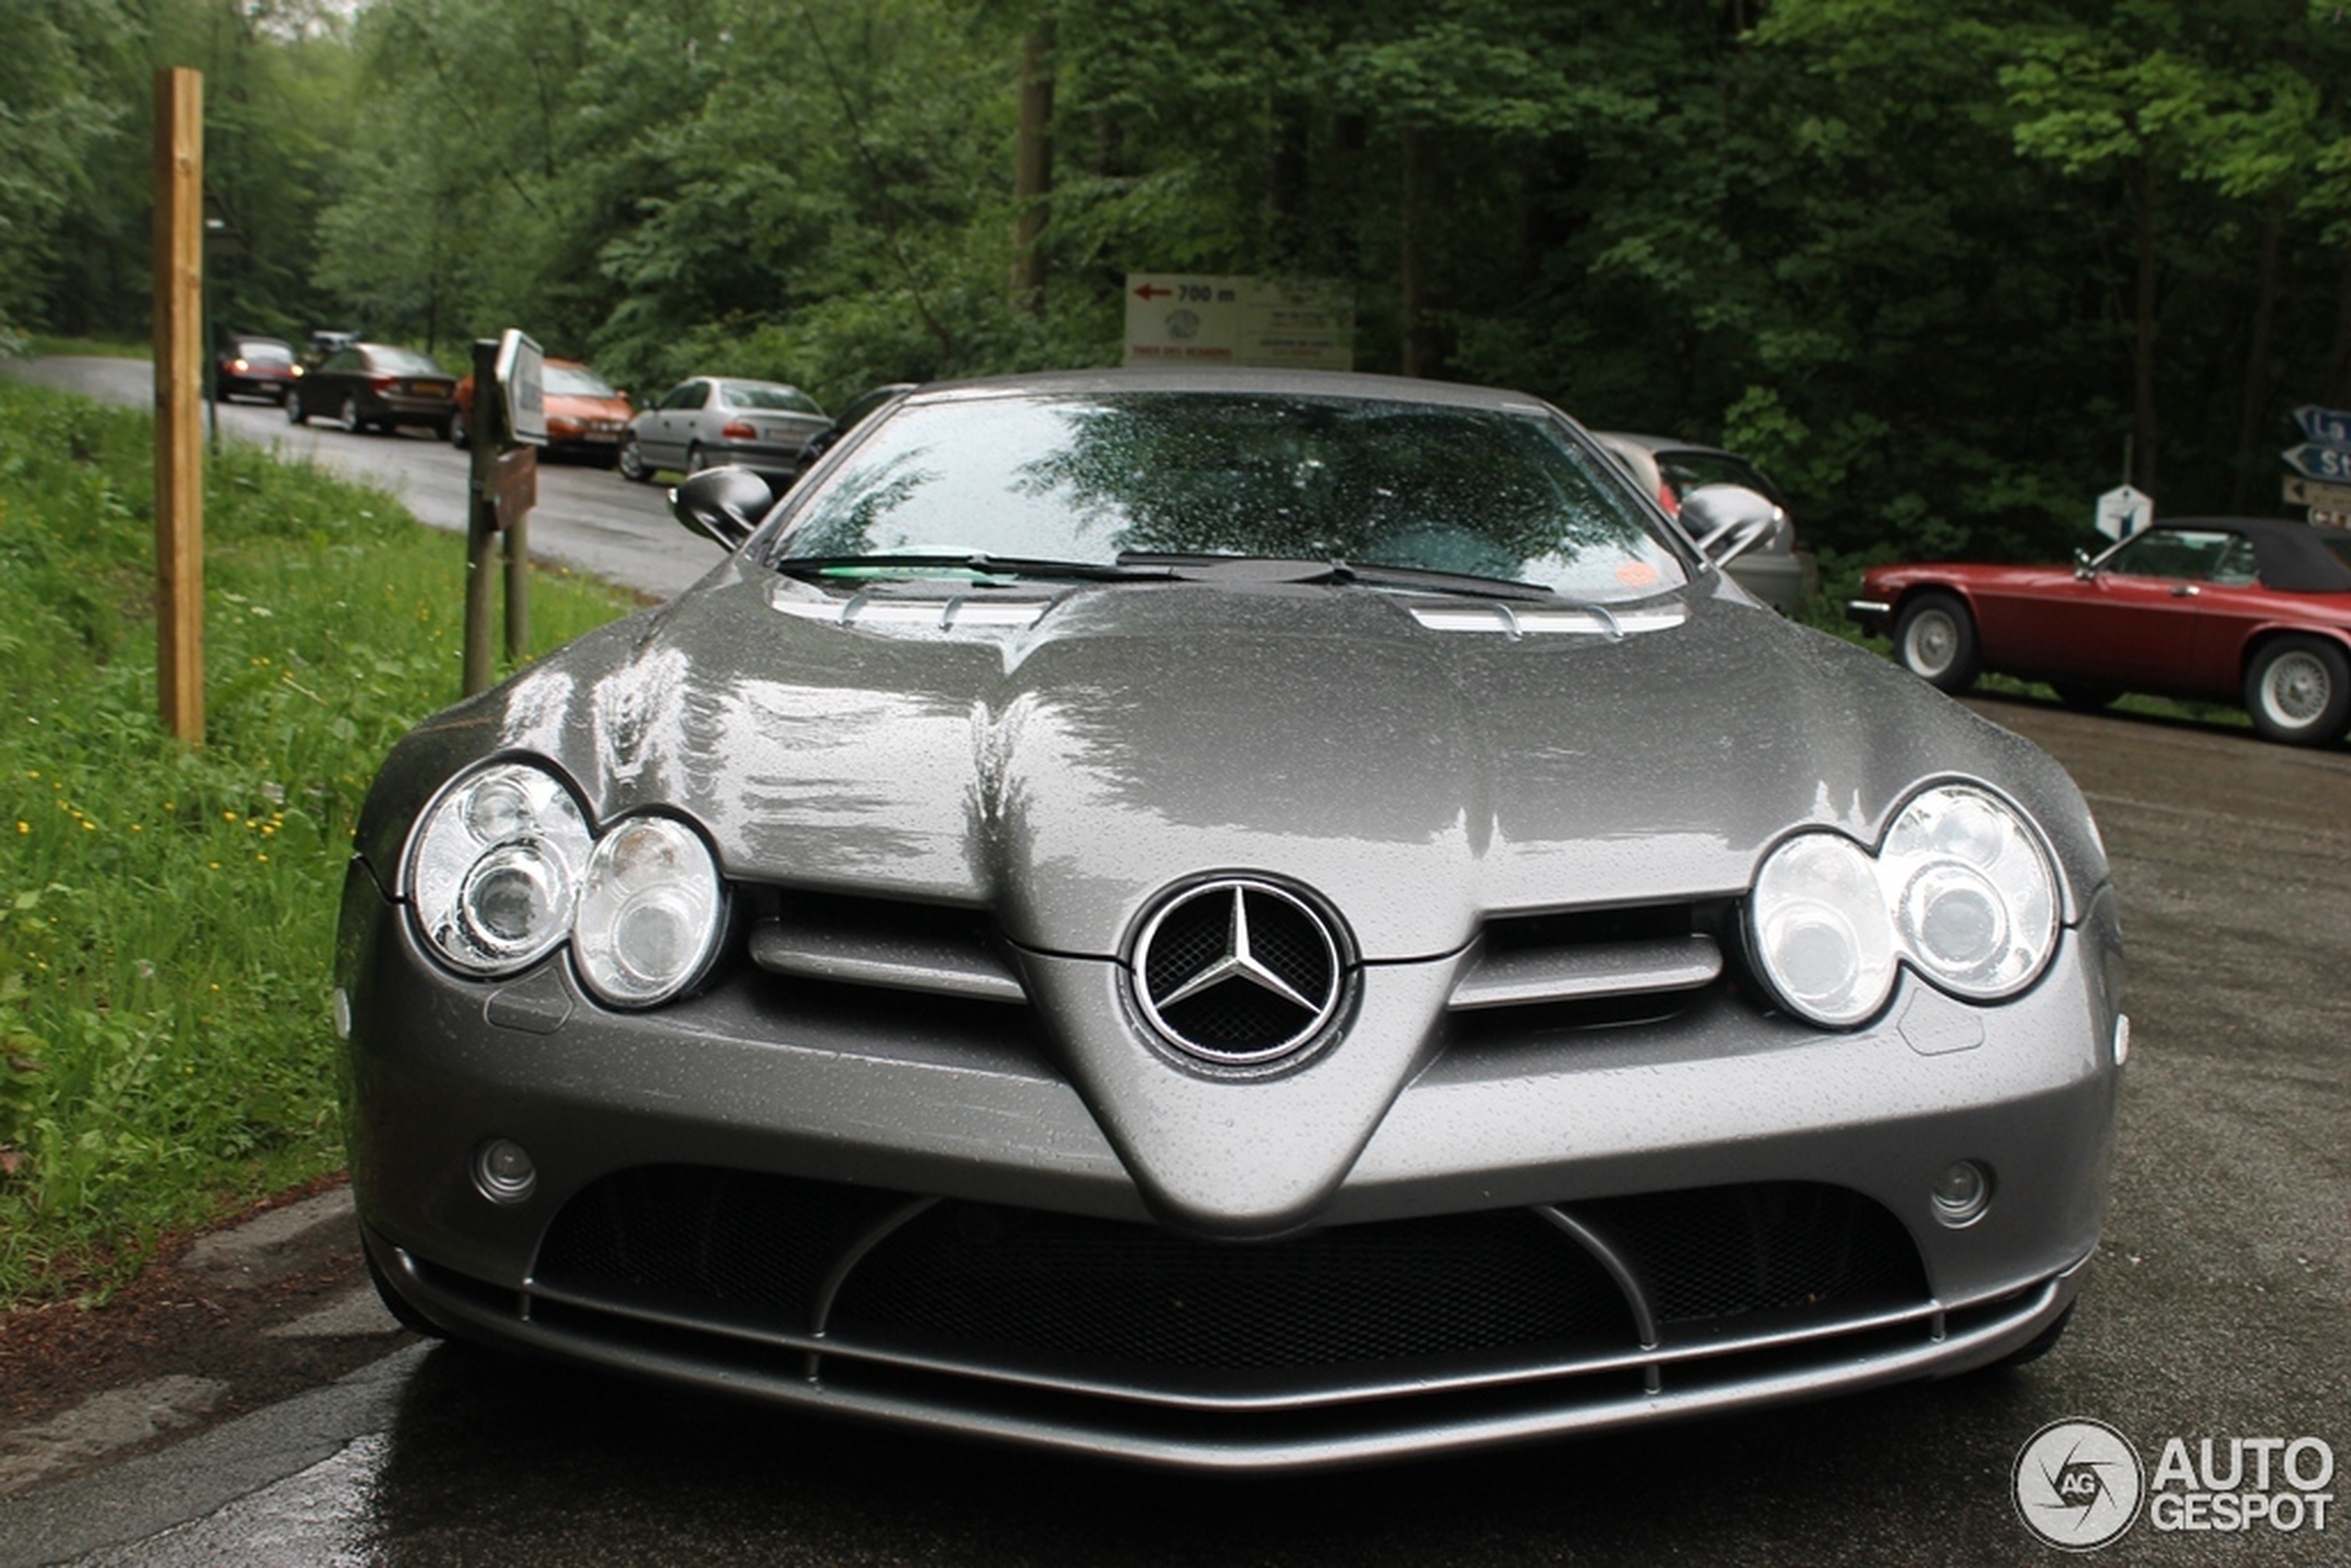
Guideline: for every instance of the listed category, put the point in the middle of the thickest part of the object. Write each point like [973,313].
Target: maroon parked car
[2245,610]
[248,366]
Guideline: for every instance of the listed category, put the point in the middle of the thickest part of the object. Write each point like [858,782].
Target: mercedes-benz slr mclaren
[1238,921]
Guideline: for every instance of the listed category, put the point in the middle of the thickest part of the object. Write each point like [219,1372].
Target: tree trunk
[2143,345]
[1286,172]
[1033,167]
[2257,363]
[1420,208]
[2338,382]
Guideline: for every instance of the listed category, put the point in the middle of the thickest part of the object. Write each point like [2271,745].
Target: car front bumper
[682,1161]
[1873,616]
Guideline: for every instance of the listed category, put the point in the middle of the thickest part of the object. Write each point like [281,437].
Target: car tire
[351,416]
[295,414]
[696,459]
[2298,690]
[630,460]
[2086,697]
[455,431]
[1935,639]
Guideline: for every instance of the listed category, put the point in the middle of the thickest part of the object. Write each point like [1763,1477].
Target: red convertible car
[2245,610]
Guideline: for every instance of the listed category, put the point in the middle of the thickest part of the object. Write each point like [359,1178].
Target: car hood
[1062,757]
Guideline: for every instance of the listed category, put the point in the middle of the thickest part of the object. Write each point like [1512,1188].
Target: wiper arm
[1202,567]
[980,562]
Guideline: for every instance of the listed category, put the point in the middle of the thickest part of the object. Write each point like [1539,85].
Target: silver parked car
[1773,568]
[1234,920]
[713,419]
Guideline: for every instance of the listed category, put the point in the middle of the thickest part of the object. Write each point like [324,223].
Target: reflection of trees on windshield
[1379,483]
[1386,484]
[860,510]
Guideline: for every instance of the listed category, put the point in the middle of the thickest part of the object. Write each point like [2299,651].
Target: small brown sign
[514,484]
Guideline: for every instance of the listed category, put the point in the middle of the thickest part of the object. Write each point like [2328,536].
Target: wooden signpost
[178,310]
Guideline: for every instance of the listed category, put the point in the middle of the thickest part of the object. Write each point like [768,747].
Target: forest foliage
[1942,266]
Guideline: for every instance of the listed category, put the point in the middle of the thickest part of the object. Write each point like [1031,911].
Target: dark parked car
[861,408]
[376,387]
[248,366]
[714,419]
[1232,920]
[2247,610]
[1773,569]
[585,414]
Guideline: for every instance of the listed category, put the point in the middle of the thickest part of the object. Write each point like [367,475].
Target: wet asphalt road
[588,517]
[2219,1308]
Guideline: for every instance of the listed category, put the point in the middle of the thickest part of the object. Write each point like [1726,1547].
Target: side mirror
[722,503]
[1728,520]
[2084,567]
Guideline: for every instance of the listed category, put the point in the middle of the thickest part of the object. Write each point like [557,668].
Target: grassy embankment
[167,913]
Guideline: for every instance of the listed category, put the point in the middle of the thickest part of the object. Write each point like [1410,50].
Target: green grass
[166,911]
[89,348]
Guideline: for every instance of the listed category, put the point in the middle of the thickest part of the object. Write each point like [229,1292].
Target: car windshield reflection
[1472,494]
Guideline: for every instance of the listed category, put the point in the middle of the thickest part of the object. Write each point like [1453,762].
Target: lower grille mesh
[1365,1293]
[971,1279]
[1720,1251]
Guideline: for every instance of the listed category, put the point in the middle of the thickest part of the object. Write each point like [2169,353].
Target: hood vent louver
[894,951]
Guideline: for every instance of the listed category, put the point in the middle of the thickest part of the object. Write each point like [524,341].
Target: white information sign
[522,370]
[2300,492]
[2124,512]
[1192,318]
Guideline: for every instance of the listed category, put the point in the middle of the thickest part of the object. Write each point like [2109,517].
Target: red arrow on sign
[1152,292]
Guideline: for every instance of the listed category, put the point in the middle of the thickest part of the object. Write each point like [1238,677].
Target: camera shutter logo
[2078,1485]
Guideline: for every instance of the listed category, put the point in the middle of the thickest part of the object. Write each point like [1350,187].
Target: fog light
[1961,1191]
[503,1172]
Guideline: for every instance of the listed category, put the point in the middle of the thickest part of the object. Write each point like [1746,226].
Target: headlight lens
[1977,909]
[494,867]
[502,868]
[1961,890]
[1821,930]
[649,912]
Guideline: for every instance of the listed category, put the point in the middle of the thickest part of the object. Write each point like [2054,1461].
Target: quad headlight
[502,868]
[1961,890]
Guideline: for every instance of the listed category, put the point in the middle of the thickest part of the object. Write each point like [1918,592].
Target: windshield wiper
[1202,567]
[978,562]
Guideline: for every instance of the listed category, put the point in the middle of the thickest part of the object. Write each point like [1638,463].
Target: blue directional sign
[2329,427]
[2313,461]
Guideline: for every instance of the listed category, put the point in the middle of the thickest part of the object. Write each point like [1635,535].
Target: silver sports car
[1238,921]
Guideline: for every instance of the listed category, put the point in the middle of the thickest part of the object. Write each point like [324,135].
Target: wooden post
[486,427]
[179,312]
[515,524]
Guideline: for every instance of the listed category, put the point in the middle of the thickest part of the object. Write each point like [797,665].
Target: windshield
[576,382]
[1094,478]
[769,399]
[1686,470]
[403,361]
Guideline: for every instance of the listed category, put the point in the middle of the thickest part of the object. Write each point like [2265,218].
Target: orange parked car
[585,415]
